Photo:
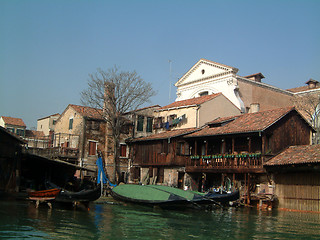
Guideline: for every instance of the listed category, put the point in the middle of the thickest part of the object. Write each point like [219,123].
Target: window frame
[140,122]
[90,153]
[149,124]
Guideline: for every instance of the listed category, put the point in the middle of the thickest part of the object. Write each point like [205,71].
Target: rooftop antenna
[170,81]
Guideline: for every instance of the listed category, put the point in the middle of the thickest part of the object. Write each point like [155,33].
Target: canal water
[21,220]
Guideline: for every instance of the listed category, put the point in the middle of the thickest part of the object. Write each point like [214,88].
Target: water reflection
[103,221]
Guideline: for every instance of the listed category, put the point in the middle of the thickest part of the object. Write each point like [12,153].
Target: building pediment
[204,69]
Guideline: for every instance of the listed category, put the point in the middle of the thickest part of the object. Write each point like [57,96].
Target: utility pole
[170,80]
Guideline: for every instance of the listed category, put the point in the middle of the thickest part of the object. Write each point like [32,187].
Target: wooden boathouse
[230,150]
[296,177]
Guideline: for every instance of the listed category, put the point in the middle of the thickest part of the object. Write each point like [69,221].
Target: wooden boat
[189,195]
[202,198]
[87,195]
[148,195]
[84,197]
[165,196]
[44,194]
[223,197]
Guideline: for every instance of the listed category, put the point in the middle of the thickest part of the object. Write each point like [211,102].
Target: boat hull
[148,196]
[50,193]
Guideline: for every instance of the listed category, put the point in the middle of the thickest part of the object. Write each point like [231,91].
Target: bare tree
[116,92]
[309,106]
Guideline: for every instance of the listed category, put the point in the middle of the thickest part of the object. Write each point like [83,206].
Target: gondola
[83,197]
[149,196]
[170,197]
[216,198]
[223,197]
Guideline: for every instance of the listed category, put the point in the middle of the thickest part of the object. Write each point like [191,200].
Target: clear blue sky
[48,48]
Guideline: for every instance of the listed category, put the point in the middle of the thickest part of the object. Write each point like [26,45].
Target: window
[20,132]
[70,123]
[123,150]
[140,123]
[92,148]
[10,130]
[204,93]
[203,71]
[149,124]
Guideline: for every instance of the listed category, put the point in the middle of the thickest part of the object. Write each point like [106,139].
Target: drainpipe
[197,116]
[83,144]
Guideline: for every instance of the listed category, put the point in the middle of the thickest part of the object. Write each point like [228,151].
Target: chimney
[312,83]
[254,107]
[257,77]
[109,97]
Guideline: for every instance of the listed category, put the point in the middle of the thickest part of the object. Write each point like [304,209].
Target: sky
[48,48]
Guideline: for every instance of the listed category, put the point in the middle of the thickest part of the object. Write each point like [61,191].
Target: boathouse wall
[298,190]
[289,131]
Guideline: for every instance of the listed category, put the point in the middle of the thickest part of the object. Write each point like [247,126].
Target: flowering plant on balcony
[195,157]
[206,157]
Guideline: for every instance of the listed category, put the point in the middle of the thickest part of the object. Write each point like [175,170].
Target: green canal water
[21,220]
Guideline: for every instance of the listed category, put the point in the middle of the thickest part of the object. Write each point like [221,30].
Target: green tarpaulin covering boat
[164,196]
[146,195]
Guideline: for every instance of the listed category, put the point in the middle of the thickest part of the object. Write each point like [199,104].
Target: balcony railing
[243,160]
[55,152]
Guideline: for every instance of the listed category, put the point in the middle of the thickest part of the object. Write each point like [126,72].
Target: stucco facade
[47,124]
[248,93]
[196,112]
[268,97]
[207,77]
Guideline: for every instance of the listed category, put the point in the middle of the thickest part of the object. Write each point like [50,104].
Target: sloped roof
[191,101]
[34,134]
[12,135]
[144,108]
[165,135]
[249,122]
[14,121]
[88,112]
[52,115]
[305,88]
[302,89]
[296,155]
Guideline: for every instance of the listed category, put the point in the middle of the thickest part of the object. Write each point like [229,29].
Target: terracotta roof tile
[302,89]
[89,112]
[34,134]
[166,134]
[296,155]
[249,122]
[14,121]
[191,101]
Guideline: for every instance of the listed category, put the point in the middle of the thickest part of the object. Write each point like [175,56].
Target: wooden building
[233,150]
[228,150]
[155,158]
[295,174]
[10,160]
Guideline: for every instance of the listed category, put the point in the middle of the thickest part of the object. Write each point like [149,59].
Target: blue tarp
[102,173]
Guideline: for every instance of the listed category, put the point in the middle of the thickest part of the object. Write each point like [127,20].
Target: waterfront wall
[298,191]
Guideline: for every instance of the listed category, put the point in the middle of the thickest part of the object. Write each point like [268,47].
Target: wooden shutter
[92,148]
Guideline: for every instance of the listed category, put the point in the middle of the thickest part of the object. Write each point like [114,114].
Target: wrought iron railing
[227,160]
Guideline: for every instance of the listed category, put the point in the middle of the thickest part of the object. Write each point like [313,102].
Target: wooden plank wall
[298,191]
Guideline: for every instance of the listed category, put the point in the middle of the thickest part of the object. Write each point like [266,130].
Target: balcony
[55,152]
[57,146]
[233,163]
